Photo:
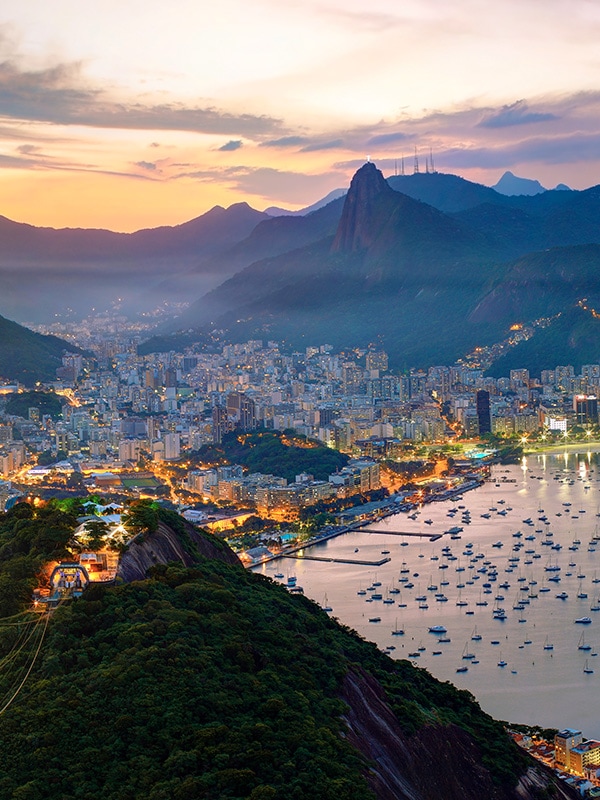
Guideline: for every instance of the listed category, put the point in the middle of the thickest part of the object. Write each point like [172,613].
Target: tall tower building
[483,412]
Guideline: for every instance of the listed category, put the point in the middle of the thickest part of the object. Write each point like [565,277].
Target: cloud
[59,95]
[388,138]
[285,141]
[517,113]
[272,184]
[316,146]
[568,149]
[27,149]
[233,144]
[148,165]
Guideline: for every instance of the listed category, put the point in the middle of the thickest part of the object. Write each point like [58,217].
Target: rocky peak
[355,229]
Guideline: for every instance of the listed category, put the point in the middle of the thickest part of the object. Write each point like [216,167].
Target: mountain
[392,262]
[511,184]
[444,191]
[429,284]
[335,194]
[209,681]
[29,357]
[572,337]
[99,265]
[542,285]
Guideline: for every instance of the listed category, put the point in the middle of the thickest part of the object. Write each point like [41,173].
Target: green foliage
[29,357]
[29,538]
[209,682]
[47,402]
[141,517]
[205,682]
[274,453]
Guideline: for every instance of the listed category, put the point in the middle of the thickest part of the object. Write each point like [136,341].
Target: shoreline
[554,449]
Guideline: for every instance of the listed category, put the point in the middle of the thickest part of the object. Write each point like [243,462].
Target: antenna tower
[416,166]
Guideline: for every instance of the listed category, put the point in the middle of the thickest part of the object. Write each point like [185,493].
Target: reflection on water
[545,515]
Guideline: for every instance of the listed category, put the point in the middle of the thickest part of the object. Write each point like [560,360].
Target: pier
[433,537]
[338,560]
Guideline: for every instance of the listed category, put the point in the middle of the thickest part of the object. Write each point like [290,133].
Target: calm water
[537,685]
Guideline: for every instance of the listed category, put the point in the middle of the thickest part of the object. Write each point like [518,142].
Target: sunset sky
[138,113]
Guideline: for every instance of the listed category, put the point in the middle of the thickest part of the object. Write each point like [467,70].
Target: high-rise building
[242,410]
[586,409]
[564,741]
[220,423]
[483,411]
[172,446]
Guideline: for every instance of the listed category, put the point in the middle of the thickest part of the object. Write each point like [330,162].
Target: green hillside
[29,357]
[208,682]
[273,453]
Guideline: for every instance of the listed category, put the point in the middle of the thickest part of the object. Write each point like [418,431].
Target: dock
[358,561]
[433,537]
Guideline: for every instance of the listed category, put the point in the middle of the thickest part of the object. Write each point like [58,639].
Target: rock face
[166,545]
[355,228]
[436,762]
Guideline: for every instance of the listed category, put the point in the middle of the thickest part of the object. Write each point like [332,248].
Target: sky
[138,113]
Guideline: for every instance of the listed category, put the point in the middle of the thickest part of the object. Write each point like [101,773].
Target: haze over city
[145,114]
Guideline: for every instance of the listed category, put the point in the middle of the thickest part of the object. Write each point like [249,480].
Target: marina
[518,583]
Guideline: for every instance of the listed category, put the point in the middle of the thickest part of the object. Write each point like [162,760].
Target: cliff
[437,761]
[165,545]
[361,210]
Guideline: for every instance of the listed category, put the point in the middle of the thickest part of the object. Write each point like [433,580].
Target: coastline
[554,449]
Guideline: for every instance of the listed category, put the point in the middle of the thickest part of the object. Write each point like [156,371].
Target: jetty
[359,561]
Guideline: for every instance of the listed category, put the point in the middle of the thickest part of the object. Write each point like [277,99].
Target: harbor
[510,588]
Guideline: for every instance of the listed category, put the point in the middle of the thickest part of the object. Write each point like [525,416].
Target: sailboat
[326,607]
[587,670]
[582,645]
[397,631]
[475,637]
[466,654]
[548,645]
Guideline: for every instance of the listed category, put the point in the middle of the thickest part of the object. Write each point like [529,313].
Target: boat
[587,670]
[462,669]
[548,645]
[279,575]
[326,607]
[583,620]
[502,663]
[397,631]
[437,629]
[466,654]
[475,637]
[374,619]
[582,644]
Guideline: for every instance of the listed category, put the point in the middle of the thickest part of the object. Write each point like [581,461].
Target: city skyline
[277,104]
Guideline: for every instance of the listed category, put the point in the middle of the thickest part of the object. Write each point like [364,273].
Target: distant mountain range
[513,185]
[44,271]
[430,263]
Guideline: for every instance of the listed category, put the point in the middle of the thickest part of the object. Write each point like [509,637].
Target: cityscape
[299,400]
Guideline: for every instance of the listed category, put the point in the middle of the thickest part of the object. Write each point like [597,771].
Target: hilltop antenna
[431,159]
[416,166]
[402,166]
[396,167]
